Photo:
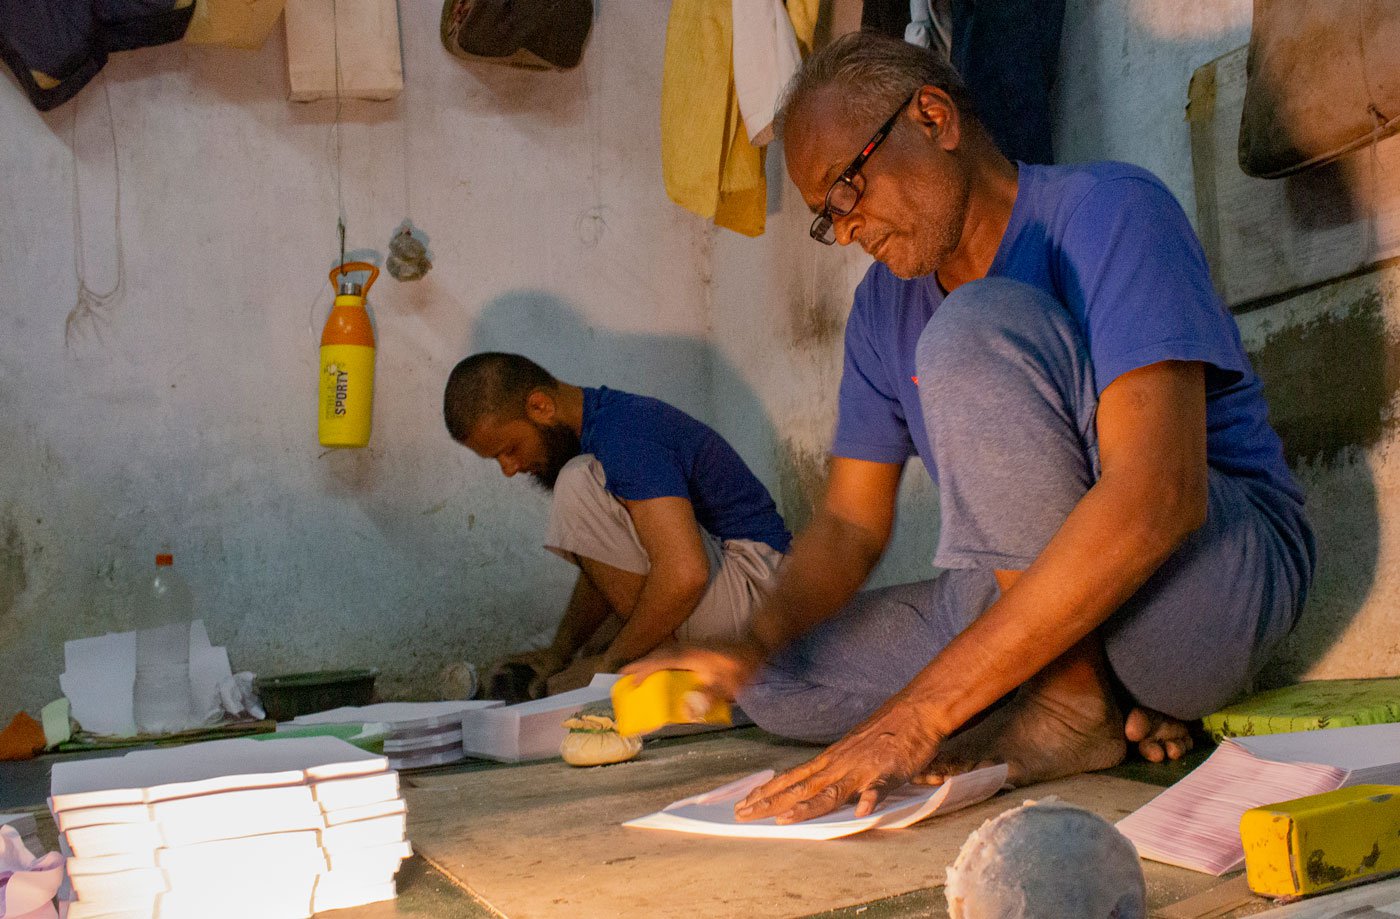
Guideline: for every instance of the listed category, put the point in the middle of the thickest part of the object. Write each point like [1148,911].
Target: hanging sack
[1323,80]
[539,34]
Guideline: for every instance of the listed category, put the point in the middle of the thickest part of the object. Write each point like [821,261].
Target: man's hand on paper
[881,754]
[724,667]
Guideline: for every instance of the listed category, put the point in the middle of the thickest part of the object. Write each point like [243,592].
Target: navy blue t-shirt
[1110,242]
[649,449]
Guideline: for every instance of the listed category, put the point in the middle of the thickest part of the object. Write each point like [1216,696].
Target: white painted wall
[185,416]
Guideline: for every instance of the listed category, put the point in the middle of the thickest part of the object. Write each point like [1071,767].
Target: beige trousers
[586,520]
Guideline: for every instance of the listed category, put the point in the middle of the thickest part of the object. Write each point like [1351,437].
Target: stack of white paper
[1196,823]
[276,828]
[418,733]
[712,813]
[27,829]
[529,730]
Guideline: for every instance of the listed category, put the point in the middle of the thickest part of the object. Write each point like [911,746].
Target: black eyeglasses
[844,193]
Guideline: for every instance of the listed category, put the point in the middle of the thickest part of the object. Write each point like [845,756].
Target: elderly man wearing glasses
[1123,543]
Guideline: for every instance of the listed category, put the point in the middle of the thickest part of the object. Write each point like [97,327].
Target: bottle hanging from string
[347,362]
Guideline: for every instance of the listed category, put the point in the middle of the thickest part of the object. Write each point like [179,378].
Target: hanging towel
[708,164]
[765,58]
[931,26]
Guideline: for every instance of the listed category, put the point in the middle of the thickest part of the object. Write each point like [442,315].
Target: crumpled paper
[239,698]
[27,884]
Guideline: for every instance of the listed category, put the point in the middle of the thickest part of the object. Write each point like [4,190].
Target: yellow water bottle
[347,362]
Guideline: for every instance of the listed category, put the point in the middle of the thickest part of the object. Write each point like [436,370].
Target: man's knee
[785,708]
[983,319]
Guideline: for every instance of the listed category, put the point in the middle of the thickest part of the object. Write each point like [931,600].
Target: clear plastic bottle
[163,701]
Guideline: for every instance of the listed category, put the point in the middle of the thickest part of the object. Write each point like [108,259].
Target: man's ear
[540,407]
[939,117]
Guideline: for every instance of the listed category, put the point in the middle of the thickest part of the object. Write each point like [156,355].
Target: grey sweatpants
[1008,397]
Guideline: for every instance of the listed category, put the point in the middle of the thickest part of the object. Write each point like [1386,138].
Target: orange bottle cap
[165,558]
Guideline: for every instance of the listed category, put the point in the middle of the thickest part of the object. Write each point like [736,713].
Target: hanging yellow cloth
[708,164]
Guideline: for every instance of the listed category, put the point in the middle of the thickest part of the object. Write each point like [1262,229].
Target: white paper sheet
[1195,824]
[100,673]
[712,813]
[99,679]
[209,667]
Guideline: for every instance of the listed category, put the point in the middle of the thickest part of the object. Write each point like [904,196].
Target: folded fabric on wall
[54,47]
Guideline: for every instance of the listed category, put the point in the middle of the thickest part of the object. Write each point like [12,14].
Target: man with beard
[673,535]
[1123,541]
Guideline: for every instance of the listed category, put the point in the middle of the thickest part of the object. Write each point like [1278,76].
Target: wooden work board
[546,840]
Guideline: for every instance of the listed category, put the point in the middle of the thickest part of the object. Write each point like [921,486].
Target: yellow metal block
[665,697]
[1321,842]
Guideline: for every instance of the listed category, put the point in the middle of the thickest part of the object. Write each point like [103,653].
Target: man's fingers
[780,783]
[869,800]
[823,802]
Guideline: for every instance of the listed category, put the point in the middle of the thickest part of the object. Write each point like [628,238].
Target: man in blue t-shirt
[1124,544]
[672,534]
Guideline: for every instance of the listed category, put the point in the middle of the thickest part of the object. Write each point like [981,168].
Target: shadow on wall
[1329,383]
[686,372]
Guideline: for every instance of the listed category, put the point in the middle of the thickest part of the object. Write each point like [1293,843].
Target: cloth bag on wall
[365,35]
[538,34]
[234,23]
[1323,80]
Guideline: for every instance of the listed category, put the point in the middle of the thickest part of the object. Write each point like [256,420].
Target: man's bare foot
[1158,737]
[1063,722]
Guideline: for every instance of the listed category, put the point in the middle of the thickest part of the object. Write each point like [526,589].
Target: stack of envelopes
[418,734]
[243,828]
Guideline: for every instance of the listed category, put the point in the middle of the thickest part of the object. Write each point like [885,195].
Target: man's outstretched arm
[829,562]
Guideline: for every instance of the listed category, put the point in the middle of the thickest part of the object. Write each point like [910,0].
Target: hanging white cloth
[765,58]
[931,26]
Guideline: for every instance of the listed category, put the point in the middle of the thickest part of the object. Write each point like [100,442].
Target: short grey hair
[874,72]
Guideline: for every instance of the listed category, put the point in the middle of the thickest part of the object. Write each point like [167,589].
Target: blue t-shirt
[1110,242]
[649,449]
